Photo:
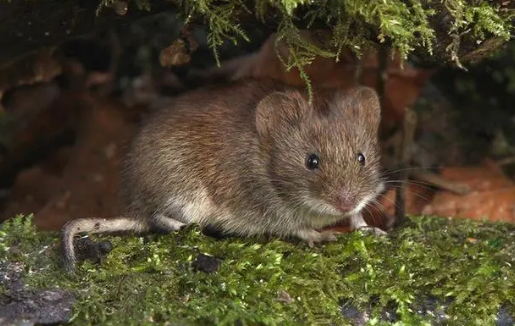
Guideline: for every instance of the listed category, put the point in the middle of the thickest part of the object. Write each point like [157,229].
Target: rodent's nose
[346,202]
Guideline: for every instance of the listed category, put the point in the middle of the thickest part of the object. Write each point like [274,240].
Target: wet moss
[151,279]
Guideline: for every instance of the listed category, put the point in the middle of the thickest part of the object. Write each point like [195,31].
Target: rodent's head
[323,157]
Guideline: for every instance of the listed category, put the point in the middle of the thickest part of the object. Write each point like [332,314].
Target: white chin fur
[322,207]
[367,199]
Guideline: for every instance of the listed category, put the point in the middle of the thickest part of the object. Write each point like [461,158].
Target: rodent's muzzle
[346,202]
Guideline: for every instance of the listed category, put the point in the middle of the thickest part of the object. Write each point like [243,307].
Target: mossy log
[434,271]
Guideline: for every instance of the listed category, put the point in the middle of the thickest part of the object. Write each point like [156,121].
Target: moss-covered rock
[456,272]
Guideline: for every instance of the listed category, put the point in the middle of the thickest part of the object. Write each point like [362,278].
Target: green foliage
[221,19]
[140,4]
[355,23]
[25,234]
[147,280]
[480,19]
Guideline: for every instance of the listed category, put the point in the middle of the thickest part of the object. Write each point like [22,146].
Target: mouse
[250,158]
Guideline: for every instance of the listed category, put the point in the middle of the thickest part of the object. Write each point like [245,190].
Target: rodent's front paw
[312,236]
[372,230]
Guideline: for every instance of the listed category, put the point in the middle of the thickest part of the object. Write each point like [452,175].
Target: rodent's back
[249,159]
[207,134]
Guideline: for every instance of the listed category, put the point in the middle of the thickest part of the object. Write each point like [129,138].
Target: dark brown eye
[361,159]
[312,162]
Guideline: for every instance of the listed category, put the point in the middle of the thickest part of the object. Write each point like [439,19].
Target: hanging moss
[464,266]
[449,28]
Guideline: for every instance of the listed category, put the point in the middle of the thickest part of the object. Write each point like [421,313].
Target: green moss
[404,25]
[151,279]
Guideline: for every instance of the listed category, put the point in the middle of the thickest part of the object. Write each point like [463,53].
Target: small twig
[507,161]
[358,73]
[382,77]
[382,74]
[116,51]
[439,181]
[410,121]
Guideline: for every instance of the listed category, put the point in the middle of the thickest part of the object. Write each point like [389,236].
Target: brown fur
[233,158]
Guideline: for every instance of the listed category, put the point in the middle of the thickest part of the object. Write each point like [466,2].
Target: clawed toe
[372,230]
[328,236]
[311,236]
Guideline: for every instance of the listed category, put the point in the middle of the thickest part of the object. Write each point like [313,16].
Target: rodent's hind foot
[312,236]
[166,224]
[358,223]
[372,230]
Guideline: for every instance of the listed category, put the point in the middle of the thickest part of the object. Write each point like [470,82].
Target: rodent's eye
[312,162]
[361,159]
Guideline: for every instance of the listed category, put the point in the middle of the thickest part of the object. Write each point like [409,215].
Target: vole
[249,158]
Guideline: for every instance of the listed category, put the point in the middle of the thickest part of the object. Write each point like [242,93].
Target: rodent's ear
[278,110]
[363,103]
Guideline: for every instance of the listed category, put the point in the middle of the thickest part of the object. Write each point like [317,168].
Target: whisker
[417,182]
[422,191]
[394,203]
[414,193]
[379,206]
[372,207]
[372,216]
[422,184]
[367,208]
[419,168]
[382,211]
[390,172]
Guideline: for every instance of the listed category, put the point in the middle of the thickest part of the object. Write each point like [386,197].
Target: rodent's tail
[91,226]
